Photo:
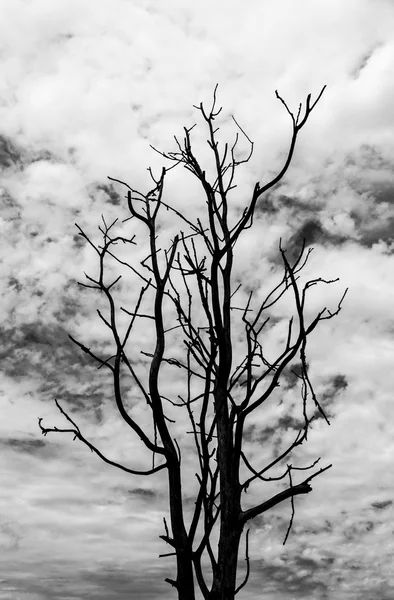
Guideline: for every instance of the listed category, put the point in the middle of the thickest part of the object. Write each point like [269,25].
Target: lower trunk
[224,580]
[185,580]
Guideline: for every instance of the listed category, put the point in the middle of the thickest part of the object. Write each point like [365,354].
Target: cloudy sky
[85,88]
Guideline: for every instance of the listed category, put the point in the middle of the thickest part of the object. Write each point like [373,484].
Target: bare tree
[194,277]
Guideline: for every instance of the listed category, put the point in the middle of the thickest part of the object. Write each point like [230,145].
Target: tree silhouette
[190,286]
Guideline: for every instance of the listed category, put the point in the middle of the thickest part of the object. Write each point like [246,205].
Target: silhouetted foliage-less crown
[194,276]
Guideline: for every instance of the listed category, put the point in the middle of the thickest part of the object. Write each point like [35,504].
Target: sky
[85,89]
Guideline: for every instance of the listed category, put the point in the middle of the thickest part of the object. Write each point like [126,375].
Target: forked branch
[78,435]
[300,488]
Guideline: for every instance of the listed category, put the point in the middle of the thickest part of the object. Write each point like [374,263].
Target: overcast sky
[85,88]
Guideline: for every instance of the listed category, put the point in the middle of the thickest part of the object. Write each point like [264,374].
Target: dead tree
[219,399]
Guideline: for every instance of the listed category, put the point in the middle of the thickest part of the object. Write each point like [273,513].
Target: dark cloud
[29,446]
[10,155]
[381,505]
[290,376]
[288,422]
[366,173]
[310,232]
[10,208]
[42,155]
[111,195]
[143,493]
[380,232]
[46,354]
[362,63]
[367,159]
[384,193]
[297,577]
[328,399]
[70,304]
[118,584]
[296,370]
[55,581]
[13,282]
[248,432]
[68,579]
[357,530]
[78,241]
[25,342]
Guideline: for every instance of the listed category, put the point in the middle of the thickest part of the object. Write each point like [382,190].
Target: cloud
[85,89]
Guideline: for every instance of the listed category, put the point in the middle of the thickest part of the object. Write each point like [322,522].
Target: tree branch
[301,488]
[77,434]
[245,581]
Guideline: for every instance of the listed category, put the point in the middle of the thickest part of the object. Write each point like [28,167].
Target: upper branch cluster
[197,279]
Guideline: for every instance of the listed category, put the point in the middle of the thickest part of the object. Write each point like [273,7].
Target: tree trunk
[224,580]
[185,579]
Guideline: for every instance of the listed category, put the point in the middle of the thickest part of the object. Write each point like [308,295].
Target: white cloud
[85,88]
